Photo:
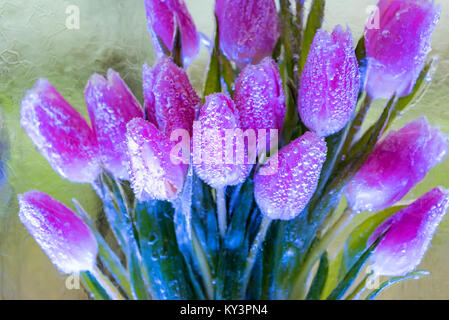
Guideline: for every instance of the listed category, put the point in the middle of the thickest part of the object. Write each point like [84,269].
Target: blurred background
[35,42]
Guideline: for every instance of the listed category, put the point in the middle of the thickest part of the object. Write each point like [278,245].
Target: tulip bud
[259,96]
[286,193]
[410,233]
[396,164]
[249,30]
[170,99]
[60,133]
[61,234]
[111,106]
[396,49]
[329,83]
[219,165]
[162,18]
[155,172]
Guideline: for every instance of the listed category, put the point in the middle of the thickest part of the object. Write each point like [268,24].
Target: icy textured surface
[259,96]
[154,175]
[248,29]
[396,164]
[170,99]
[219,167]
[62,235]
[285,194]
[162,17]
[60,133]
[410,234]
[397,50]
[329,83]
[111,106]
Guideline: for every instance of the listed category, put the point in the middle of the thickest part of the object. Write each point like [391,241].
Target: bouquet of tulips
[237,193]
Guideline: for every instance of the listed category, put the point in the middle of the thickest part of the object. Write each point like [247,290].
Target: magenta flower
[248,29]
[60,133]
[170,100]
[329,83]
[284,194]
[259,96]
[397,163]
[111,106]
[219,164]
[156,172]
[62,235]
[397,49]
[162,18]
[410,233]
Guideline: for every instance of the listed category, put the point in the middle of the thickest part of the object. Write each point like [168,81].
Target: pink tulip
[111,106]
[216,167]
[170,100]
[162,18]
[397,163]
[410,233]
[259,96]
[396,49]
[62,235]
[155,173]
[60,133]
[284,194]
[249,30]
[329,83]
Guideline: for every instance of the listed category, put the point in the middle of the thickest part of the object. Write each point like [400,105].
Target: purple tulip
[219,164]
[396,164]
[162,18]
[259,96]
[62,235]
[155,172]
[329,83]
[249,30]
[60,133]
[284,194]
[396,49]
[111,106]
[410,233]
[170,100]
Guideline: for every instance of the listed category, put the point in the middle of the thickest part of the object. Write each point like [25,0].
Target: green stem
[221,211]
[315,252]
[107,285]
[360,288]
[203,265]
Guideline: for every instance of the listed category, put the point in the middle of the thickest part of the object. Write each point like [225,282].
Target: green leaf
[213,78]
[392,281]
[177,48]
[319,281]
[94,287]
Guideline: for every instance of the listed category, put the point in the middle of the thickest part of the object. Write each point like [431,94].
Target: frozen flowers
[329,83]
[397,49]
[248,29]
[410,232]
[60,133]
[397,163]
[63,236]
[162,17]
[111,106]
[285,194]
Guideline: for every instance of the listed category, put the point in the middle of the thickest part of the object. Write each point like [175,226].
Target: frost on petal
[62,235]
[397,163]
[285,194]
[220,164]
[155,174]
[259,96]
[60,133]
[410,232]
[248,29]
[396,51]
[111,106]
[329,83]
[170,100]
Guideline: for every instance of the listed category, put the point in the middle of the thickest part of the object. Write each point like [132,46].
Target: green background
[34,43]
